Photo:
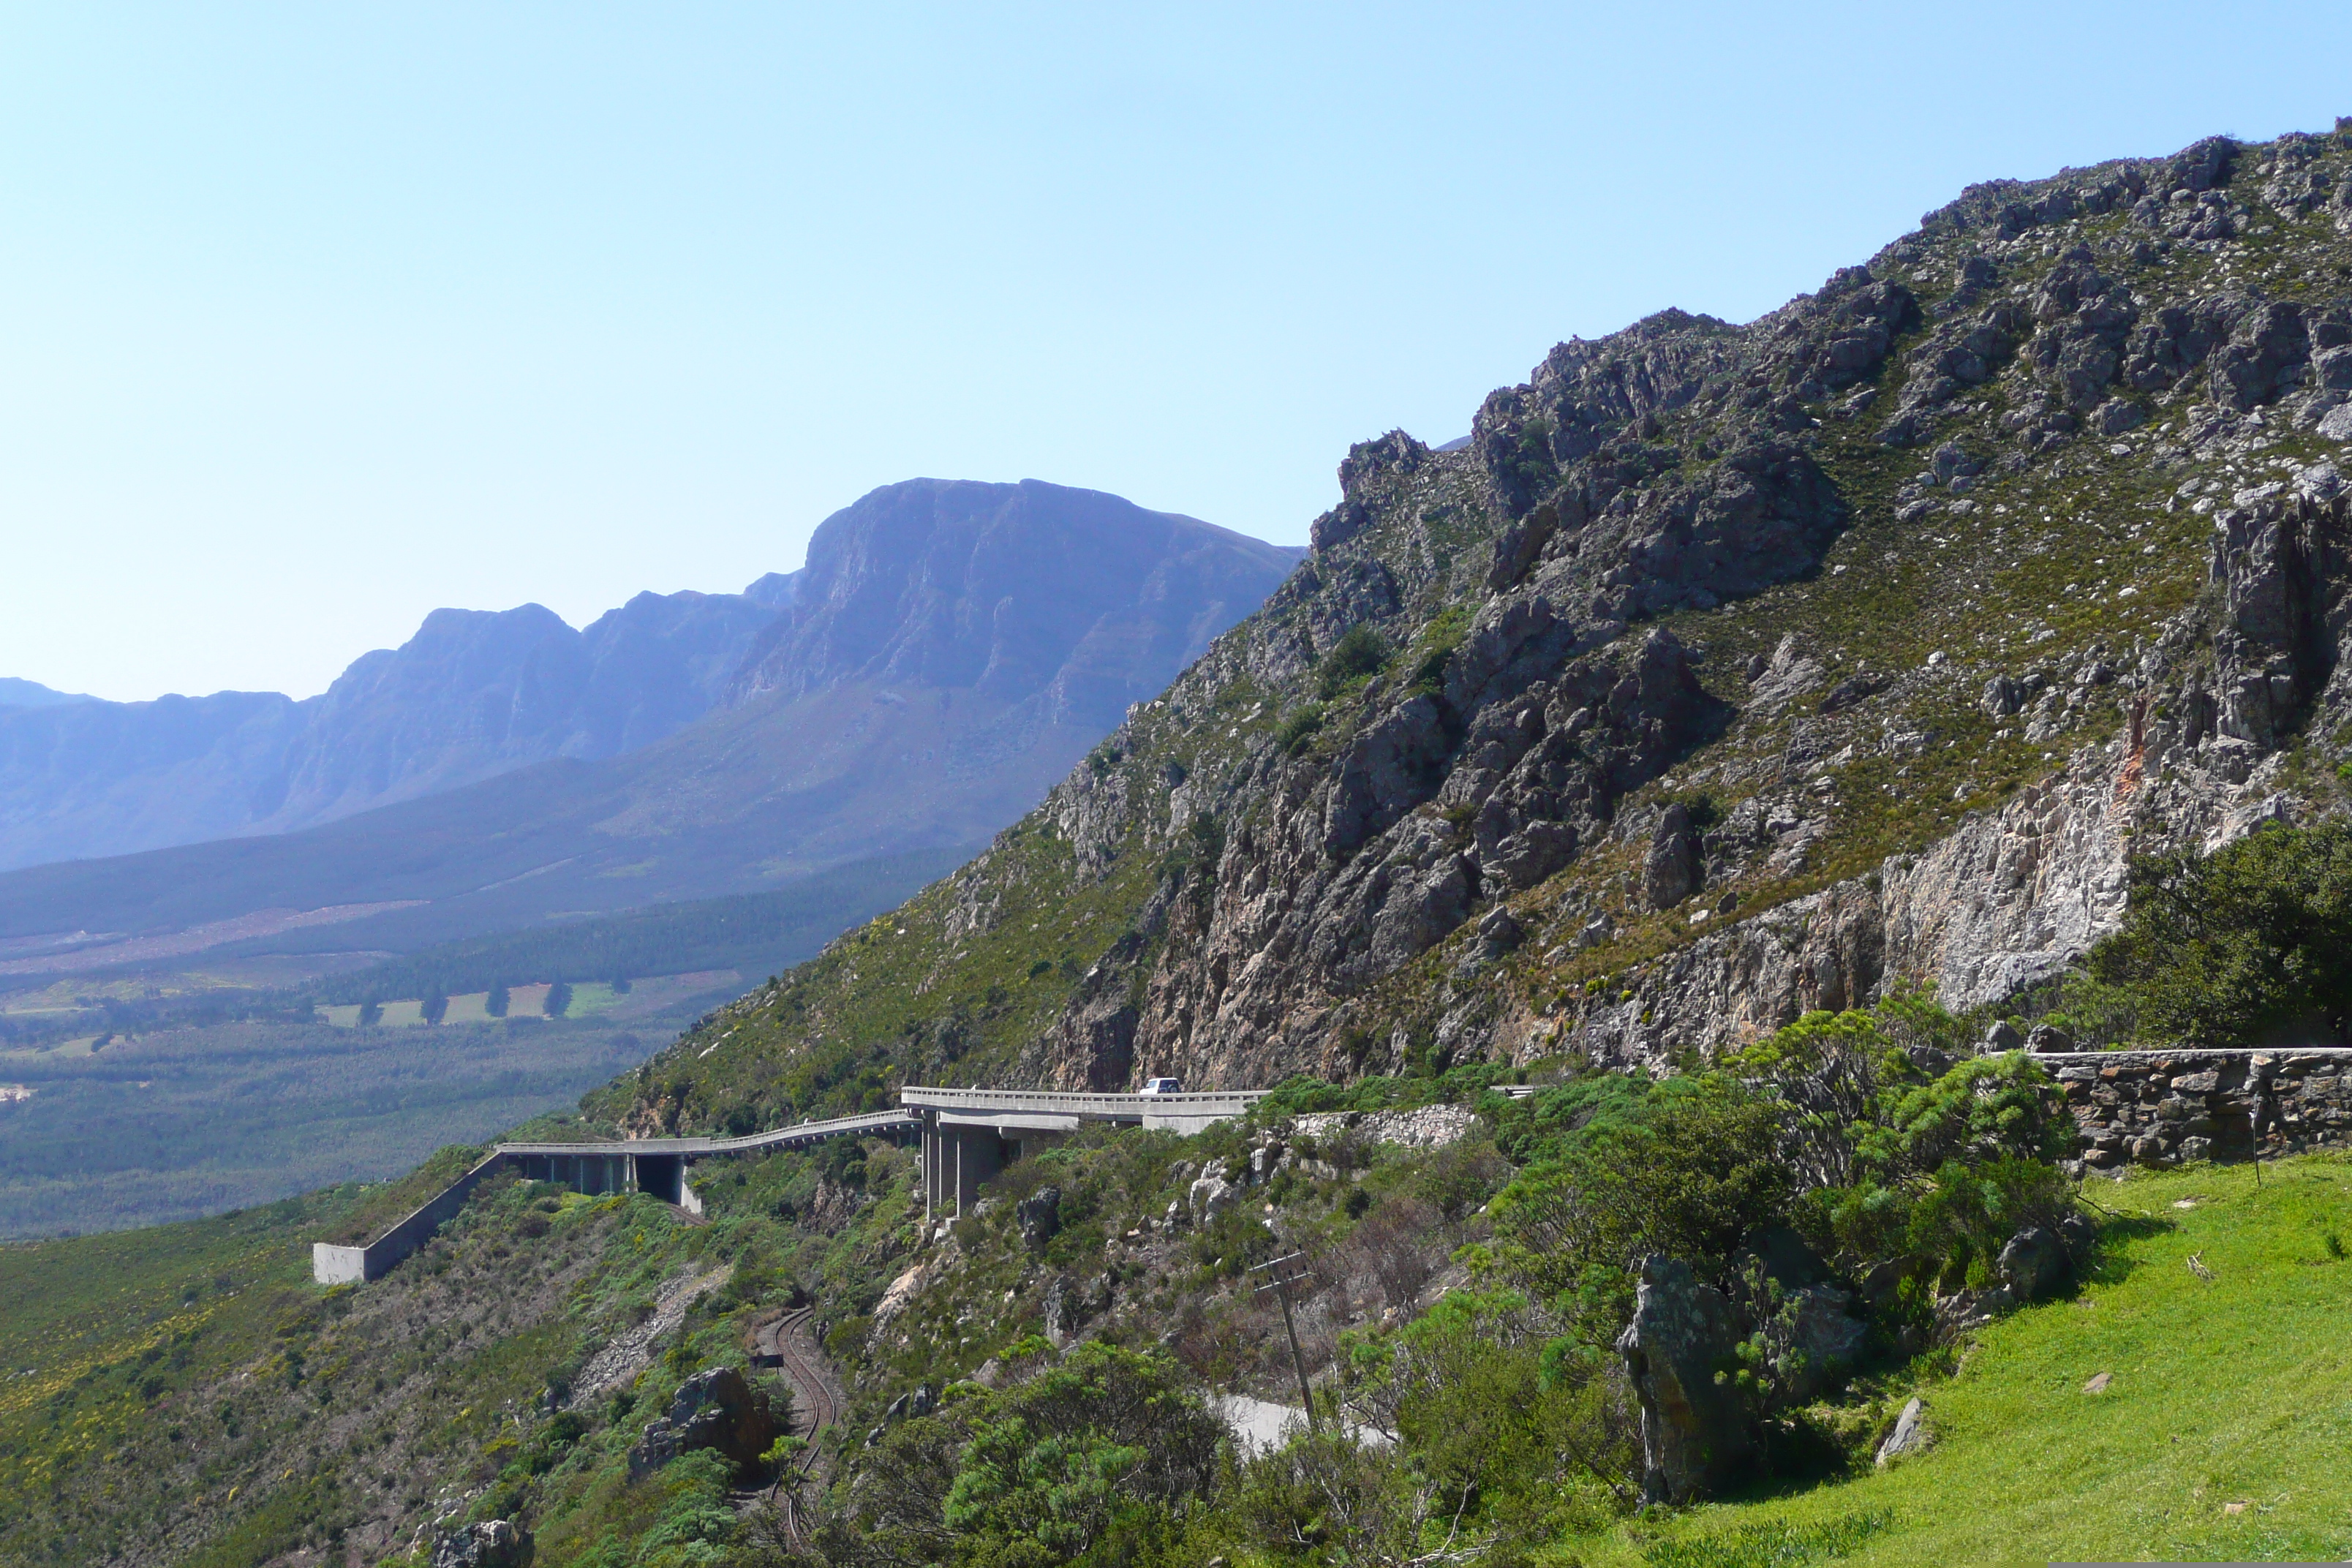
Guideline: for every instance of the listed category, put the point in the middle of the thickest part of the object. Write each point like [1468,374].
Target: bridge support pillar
[956,1159]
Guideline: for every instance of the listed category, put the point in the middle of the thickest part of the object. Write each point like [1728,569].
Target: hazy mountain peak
[1057,606]
[17,693]
[776,590]
[1010,590]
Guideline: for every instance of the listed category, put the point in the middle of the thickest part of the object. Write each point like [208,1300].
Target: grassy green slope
[2231,1390]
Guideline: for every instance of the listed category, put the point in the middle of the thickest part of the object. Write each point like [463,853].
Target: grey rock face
[1670,874]
[1830,1338]
[717,1409]
[1694,1433]
[492,1543]
[1039,1217]
[1068,1304]
[1212,1196]
[1782,1257]
[2013,896]
[1910,1435]
[1588,500]
[1500,932]
[2033,1264]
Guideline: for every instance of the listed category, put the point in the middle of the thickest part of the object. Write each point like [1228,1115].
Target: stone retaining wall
[2159,1108]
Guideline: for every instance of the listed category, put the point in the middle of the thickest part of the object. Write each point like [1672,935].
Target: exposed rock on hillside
[1695,1433]
[492,1543]
[718,1410]
[1742,670]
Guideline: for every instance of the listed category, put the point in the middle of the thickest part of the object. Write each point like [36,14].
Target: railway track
[809,1388]
[809,1395]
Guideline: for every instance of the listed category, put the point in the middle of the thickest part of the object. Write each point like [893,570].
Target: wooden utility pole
[1286,1271]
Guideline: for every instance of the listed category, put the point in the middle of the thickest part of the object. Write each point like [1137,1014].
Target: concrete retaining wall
[2160,1107]
[356,1265]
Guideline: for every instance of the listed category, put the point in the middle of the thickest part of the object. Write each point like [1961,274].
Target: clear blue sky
[318,316]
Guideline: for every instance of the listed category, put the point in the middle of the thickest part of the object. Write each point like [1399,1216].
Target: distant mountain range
[473,694]
[948,651]
[15,693]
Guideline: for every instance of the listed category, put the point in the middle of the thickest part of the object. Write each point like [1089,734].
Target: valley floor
[2223,1433]
[195,1121]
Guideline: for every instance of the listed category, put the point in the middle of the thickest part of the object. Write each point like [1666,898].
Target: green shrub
[1298,729]
[2228,948]
[1360,652]
[1088,1461]
[1698,1171]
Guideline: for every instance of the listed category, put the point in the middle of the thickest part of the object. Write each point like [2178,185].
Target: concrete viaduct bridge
[967,1136]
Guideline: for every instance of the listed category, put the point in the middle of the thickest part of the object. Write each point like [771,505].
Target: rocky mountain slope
[1728,671]
[946,653]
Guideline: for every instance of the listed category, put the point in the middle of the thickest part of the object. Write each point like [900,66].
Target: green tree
[559,1000]
[435,1007]
[1698,1171]
[498,1002]
[620,985]
[1091,1461]
[371,1013]
[2231,947]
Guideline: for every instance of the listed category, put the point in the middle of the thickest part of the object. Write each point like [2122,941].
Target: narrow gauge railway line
[810,1393]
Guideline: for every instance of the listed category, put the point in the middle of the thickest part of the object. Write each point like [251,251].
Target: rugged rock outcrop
[1911,1434]
[1039,1215]
[491,1544]
[719,1409]
[1695,1435]
[1730,671]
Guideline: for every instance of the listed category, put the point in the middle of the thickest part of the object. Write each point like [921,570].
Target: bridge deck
[696,1147]
[1215,1104]
[946,1112]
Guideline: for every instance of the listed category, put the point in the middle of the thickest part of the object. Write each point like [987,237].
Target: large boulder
[1822,1331]
[1910,1434]
[718,1409]
[1829,1338]
[2033,1265]
[1671,871]
[1695,1435]
[1782,1257]
[492,1543]
[1039,1215]
[1212,1196]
